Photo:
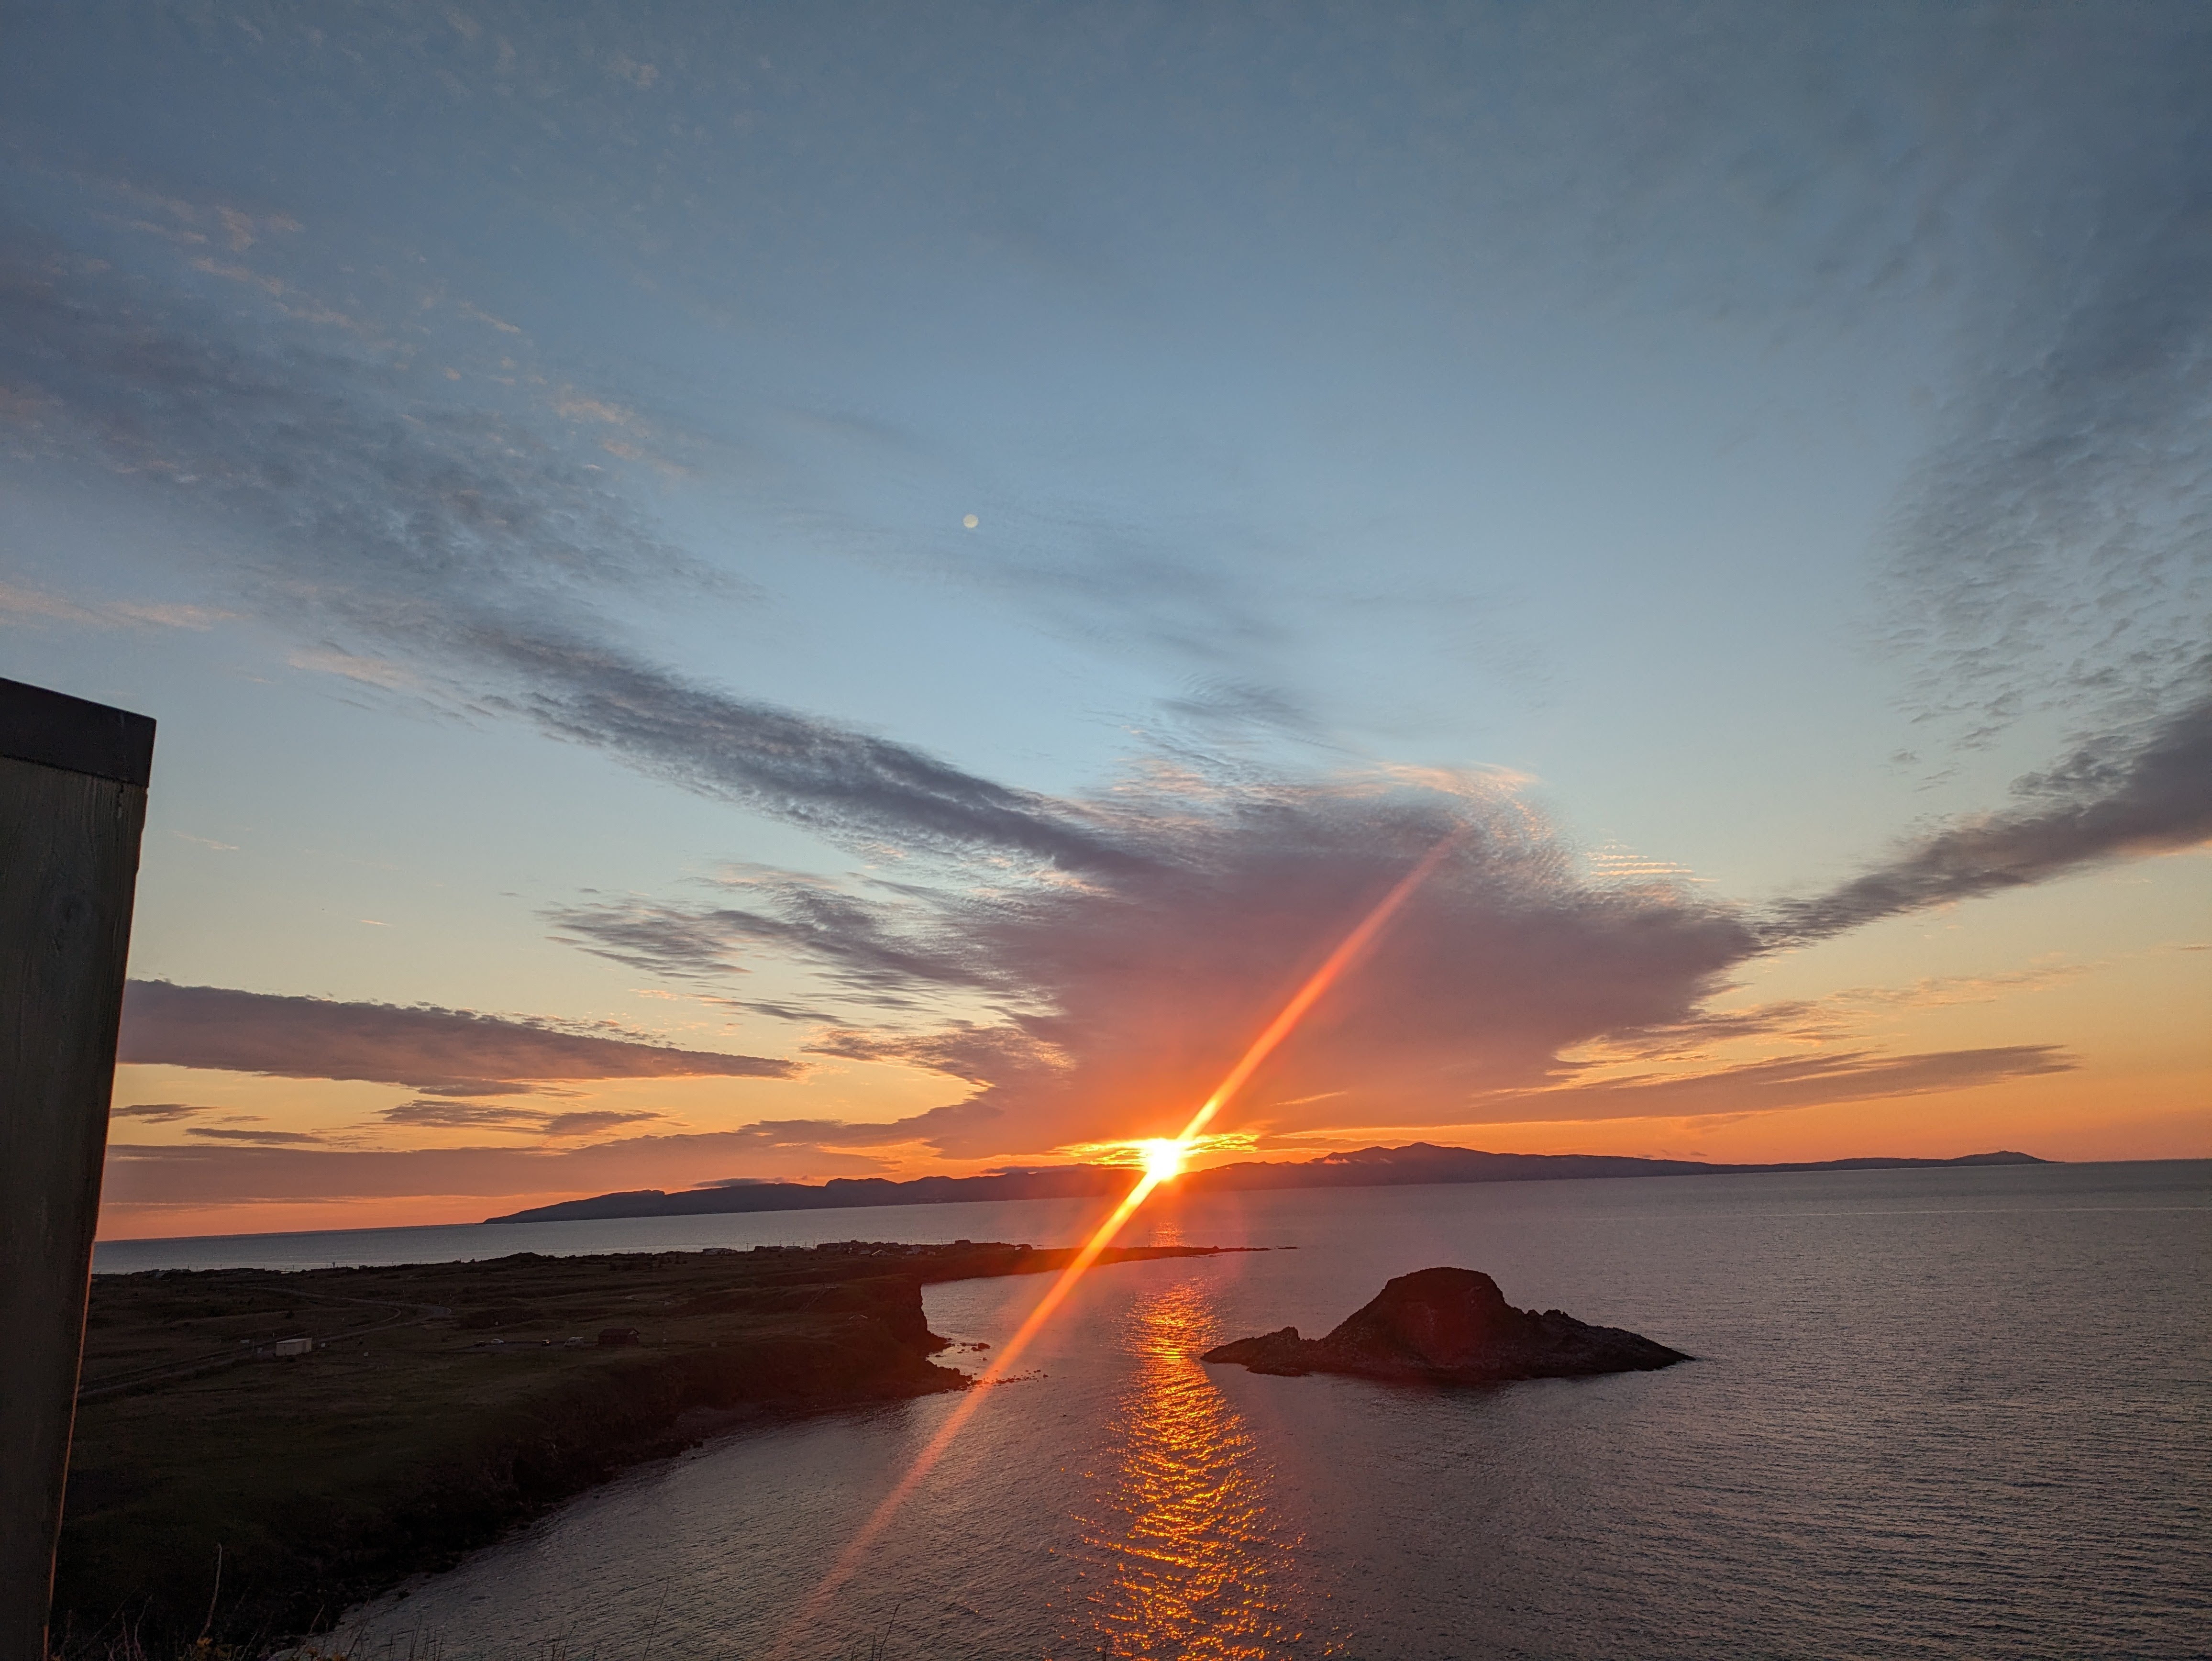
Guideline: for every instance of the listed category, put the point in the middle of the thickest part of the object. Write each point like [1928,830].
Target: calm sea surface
[1942,1412]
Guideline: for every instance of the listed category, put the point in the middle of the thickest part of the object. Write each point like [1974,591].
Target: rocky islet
[1450,1326]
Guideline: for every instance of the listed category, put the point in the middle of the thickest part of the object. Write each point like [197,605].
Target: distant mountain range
[1370,1167]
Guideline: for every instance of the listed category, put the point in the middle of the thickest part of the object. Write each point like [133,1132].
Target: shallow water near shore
[1957,1412]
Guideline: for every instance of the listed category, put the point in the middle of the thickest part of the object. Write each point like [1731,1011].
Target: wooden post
[73,780]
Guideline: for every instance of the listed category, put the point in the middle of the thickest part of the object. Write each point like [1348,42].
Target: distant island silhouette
[1450,1326]
[1368,1167]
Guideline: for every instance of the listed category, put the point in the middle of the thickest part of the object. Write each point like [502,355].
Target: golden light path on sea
[1163,1159]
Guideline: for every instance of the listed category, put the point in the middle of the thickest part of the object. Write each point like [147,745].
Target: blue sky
[523,456]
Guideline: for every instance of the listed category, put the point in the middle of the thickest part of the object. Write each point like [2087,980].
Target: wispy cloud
[159,1112]
[262,1138]
[461,541]
[2106,800]
[1125,998]
[454,1052]
[20,606]
[1823,1023]
[1769,1086]
[878,946]
[1122,1000]
[2049,545]
[2052,547]
[441,1114]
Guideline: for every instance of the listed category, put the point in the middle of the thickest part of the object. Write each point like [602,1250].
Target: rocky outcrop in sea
[1451,1326]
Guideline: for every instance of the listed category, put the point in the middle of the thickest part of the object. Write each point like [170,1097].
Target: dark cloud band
[447,1051]
[2096,805]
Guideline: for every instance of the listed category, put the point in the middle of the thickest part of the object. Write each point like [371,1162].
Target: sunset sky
[786,592]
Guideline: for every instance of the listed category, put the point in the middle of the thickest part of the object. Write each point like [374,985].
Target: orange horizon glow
[1163,1158]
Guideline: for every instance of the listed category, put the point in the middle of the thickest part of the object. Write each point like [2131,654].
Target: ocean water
[1943,1412]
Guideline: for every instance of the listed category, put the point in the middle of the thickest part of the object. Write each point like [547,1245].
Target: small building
[292,1347]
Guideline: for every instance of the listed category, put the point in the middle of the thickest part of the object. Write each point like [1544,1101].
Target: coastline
[436,1406]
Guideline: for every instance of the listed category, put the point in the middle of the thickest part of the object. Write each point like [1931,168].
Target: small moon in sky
[970,522]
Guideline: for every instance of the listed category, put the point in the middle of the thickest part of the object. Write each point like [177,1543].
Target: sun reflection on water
[1183,1556]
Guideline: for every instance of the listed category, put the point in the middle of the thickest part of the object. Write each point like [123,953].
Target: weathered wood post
[72,804]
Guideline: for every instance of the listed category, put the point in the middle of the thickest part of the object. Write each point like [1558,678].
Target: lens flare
[1163,1159]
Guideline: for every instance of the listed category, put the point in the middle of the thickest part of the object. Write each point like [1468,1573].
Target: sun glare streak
[1163,1158]
[1347,952]
[848,1561]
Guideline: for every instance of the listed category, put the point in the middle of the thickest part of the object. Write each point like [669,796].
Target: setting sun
[1585,703]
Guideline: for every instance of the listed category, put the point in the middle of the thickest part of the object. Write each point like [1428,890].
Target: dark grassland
[220,1493]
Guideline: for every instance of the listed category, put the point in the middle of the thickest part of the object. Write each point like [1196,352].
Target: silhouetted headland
[1368,1167]
[322,1435]
[1451,1326]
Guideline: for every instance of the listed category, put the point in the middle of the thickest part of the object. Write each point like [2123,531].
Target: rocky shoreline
[274,1447]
